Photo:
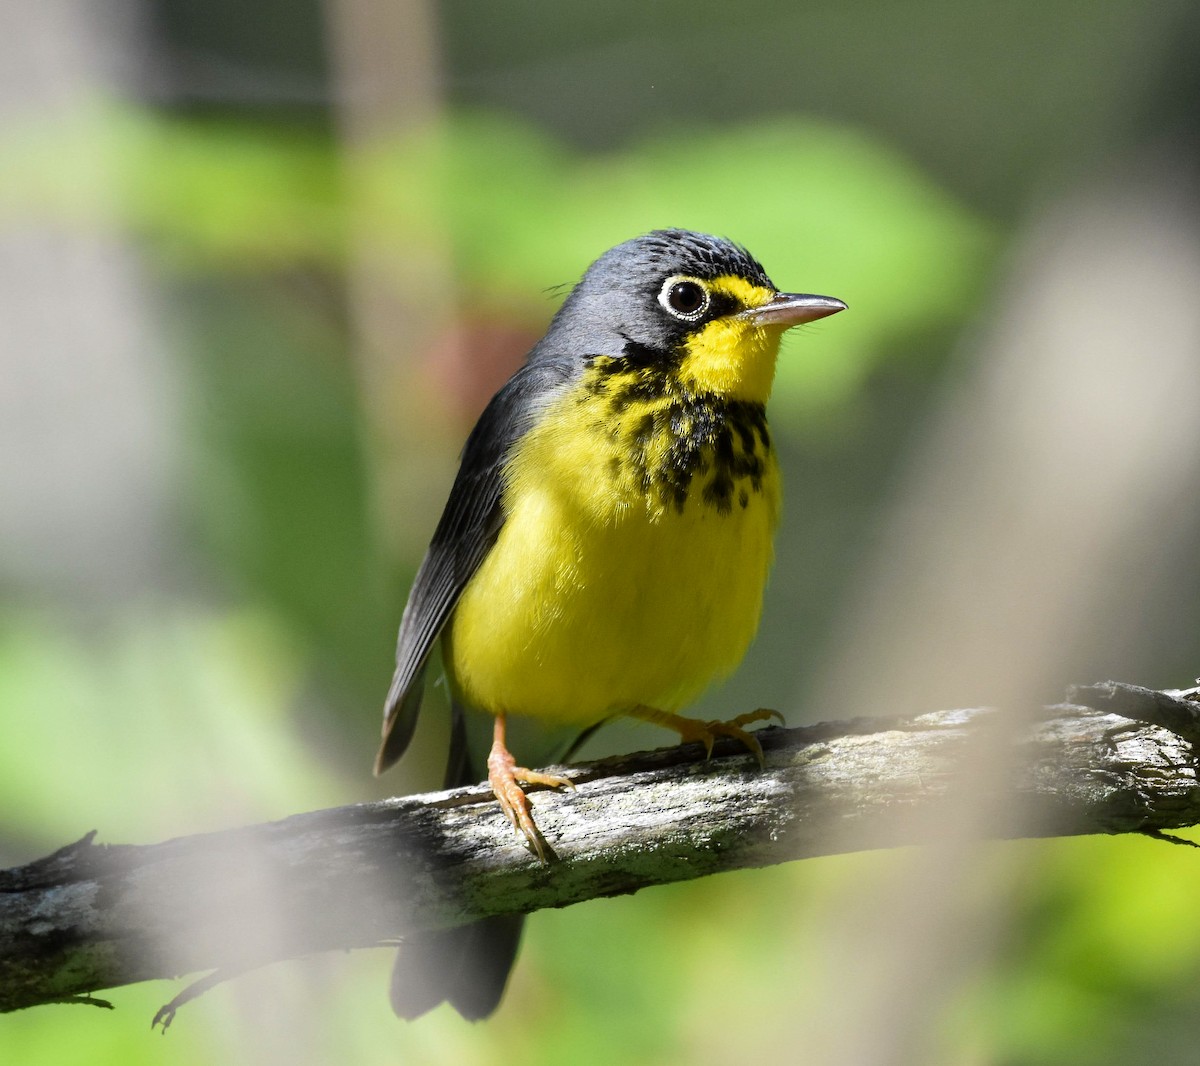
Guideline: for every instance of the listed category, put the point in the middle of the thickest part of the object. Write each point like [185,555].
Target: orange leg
[692,729]
[506,778]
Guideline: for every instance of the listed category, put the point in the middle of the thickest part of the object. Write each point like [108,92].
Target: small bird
[605,545]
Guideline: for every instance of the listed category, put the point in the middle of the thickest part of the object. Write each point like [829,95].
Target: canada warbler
[606,542]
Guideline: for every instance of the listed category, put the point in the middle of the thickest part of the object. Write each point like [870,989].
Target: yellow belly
[596,598]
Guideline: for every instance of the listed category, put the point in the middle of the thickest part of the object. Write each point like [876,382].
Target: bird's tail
[467,966]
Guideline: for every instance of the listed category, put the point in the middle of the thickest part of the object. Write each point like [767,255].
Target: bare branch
[94,916]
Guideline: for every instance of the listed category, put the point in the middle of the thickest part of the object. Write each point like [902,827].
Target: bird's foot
[506,778]
[706,733]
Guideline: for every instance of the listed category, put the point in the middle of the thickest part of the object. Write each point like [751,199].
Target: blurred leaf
[198,705]
[825,208]
[245,197]
[1103,932]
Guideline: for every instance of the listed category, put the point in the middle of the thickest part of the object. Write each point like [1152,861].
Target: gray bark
[1117,759]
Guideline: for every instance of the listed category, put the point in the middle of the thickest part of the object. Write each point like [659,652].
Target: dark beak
[794,309]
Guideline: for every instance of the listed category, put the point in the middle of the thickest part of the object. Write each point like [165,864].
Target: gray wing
[468,528]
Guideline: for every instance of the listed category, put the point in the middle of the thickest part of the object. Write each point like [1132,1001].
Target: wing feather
[469,526]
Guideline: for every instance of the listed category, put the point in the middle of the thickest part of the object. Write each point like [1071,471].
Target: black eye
[684,298]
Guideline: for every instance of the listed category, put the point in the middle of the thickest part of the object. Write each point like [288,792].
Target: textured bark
[1117,759]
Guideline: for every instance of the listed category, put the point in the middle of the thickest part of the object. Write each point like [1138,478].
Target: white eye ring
[684,297]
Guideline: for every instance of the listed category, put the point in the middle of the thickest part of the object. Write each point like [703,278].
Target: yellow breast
[631,564]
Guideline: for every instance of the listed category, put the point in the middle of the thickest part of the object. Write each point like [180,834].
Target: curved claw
[693,730]
[506,779]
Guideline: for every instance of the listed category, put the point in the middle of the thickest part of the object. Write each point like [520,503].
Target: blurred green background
[261,264]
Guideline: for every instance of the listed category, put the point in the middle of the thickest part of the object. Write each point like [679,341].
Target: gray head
[624,301]
[699,308]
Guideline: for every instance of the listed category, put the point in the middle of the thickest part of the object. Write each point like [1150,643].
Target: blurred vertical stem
[386,70]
